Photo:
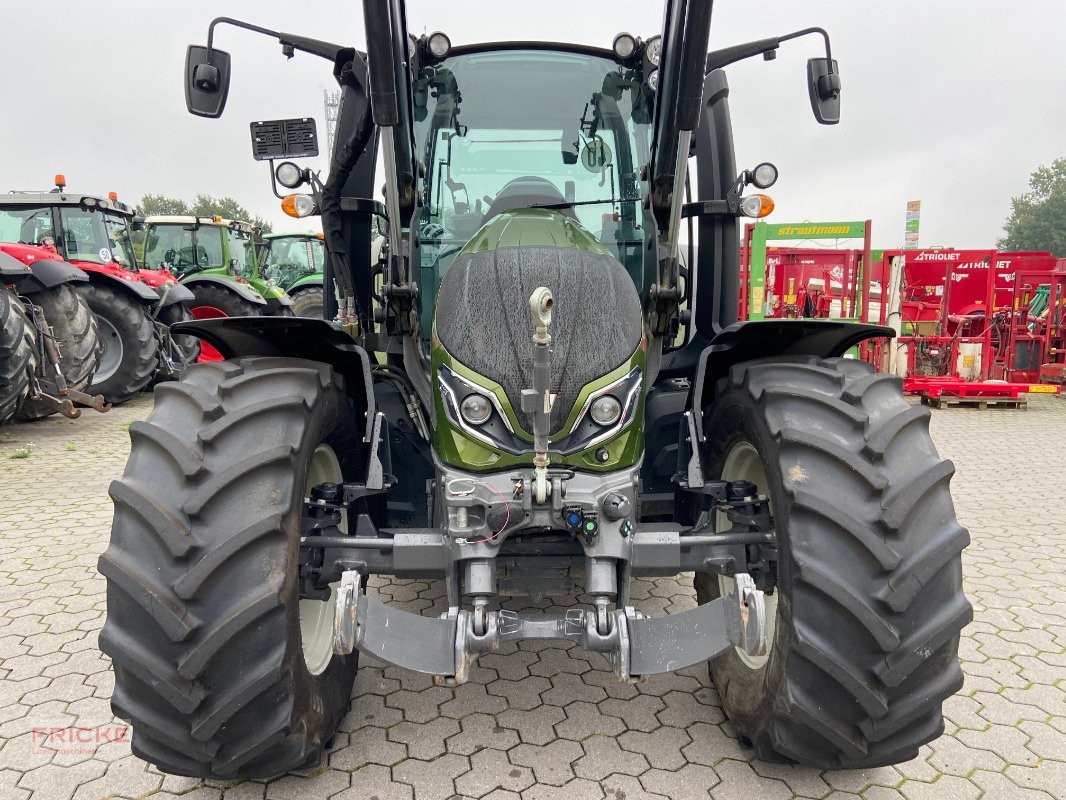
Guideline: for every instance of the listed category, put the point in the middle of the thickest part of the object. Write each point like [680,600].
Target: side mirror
[823,86]
[206,81]
[137,224]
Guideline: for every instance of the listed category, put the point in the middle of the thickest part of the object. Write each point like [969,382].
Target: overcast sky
[951,102]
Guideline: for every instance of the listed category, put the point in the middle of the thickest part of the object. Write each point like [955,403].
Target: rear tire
[869,599]
[229,303]
[203,607]
[17,358]
[309,302]
[130,354]
[76,335]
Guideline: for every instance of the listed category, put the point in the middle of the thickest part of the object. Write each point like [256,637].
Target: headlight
[606,411]
[756,205]
[475,409]
[299,205]
[653,80]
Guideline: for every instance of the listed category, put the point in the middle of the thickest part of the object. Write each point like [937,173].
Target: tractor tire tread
[77,337]
[18,359]
[201,637]
[876,602]
[140,346]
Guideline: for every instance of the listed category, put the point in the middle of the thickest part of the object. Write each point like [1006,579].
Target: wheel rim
[743,463]
[111,354]
[208,352]
[316,616]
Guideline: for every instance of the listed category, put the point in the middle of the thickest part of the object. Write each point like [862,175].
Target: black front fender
[240,289]
[291,337]
[770,338]
[171,293]
[48,273]
[142,291]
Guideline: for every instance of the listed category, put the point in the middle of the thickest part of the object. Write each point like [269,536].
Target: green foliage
[205,206]
[152,204]
[1037,219]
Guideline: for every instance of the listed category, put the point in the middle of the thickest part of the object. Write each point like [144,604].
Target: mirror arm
[717,59]
[821,32]
[315,47]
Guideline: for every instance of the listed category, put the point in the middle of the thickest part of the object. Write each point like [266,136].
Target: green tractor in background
[217,259]
[584,411]
[295,261]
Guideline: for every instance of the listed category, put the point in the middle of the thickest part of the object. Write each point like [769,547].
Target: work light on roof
[439,44]
[653,50]
[625,44]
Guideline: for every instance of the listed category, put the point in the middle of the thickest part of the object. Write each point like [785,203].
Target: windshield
[289,259]
[182,248]
[515,128]
[96,237]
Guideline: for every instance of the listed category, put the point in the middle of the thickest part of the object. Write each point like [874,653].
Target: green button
[590,526]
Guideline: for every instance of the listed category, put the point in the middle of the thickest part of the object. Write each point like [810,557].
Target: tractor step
[635,645]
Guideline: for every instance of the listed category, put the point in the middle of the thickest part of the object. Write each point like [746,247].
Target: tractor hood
[482,319]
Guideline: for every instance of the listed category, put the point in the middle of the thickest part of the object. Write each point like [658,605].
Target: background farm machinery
[972,323]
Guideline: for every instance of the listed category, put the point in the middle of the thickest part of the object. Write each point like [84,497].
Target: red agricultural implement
[974,324]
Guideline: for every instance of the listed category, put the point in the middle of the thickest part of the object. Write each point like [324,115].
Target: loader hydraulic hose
[344,160]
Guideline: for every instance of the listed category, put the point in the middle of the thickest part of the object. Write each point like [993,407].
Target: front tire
[130,348]
[869,601]
[205,624]
[76,334]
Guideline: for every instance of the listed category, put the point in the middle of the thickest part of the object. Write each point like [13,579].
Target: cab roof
[19,198]
[205,221]
[293,235]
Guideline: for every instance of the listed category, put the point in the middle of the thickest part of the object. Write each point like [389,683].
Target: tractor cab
[192,244]
[502,131]
[217,259]
[292,258]
[83,229]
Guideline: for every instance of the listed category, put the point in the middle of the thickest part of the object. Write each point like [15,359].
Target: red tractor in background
[134,307]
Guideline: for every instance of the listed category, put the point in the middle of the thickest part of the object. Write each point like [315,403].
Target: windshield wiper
[572,203]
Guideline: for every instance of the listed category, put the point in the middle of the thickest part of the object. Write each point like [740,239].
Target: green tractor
[295,261]
[216,259]
[585,411]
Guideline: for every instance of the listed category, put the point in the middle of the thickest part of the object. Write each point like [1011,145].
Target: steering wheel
[529,190]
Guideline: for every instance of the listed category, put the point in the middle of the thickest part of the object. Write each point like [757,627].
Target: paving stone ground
[544,720]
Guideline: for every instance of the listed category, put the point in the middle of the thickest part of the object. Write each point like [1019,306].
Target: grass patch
[70,447]
[22,452]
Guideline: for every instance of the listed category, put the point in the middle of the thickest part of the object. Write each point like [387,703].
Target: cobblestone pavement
[544,720]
